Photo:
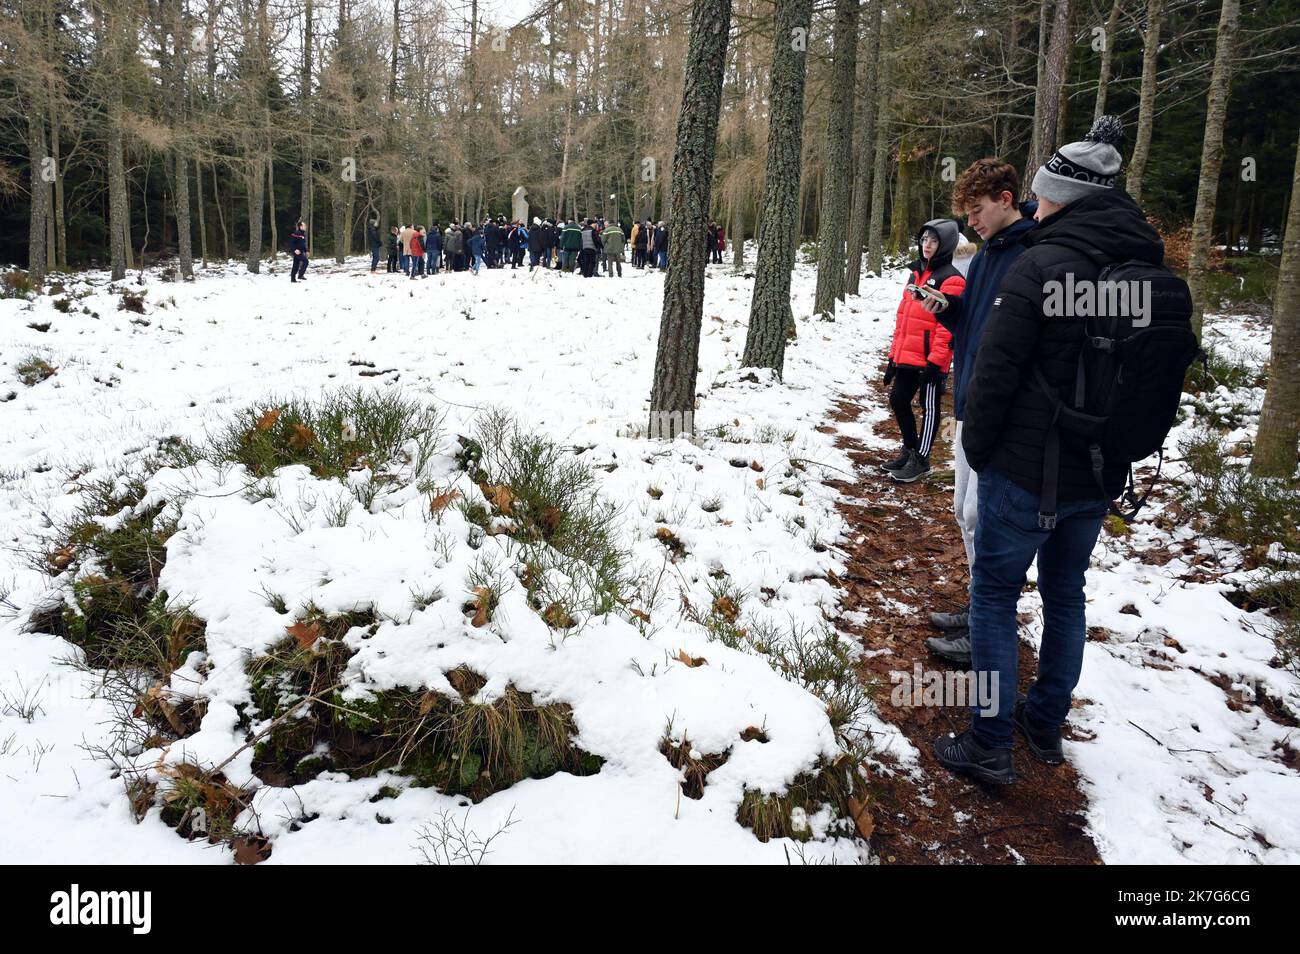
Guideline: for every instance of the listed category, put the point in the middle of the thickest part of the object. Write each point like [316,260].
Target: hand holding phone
[934,300]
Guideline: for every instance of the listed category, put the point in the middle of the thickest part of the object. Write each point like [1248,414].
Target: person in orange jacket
[921,353]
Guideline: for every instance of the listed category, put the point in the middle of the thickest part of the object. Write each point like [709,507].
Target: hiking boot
[953,647]
[915,468]
[958,620]
[1044,743]
[965,753]
[898,463]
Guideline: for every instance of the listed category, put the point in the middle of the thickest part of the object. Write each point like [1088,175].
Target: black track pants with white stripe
[907,382]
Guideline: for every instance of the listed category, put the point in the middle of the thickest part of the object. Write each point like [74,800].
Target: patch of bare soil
[904,546]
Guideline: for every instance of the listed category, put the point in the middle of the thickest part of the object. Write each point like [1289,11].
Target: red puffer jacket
[918,336]
[417,245]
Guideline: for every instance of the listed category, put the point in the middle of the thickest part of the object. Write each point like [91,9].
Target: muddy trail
[904,558]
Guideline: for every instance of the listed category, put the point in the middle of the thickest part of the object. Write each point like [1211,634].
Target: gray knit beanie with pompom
[1081,168]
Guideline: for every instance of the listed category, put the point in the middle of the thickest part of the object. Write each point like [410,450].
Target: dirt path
[902,540]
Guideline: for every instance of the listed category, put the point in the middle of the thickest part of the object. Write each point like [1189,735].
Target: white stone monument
[519,205]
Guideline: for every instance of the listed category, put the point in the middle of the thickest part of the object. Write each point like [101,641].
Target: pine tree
[672,399]
[1279,421]
[1146,102]
[1207,188]
[838,165]
[770,316]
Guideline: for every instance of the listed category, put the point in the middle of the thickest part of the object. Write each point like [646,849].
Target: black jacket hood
[949,233]
[1109,221]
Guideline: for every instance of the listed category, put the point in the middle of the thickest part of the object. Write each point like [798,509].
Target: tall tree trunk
[397,43]
[1040,72]
[1050,86]
[198,204]
[838,163]
[672,398]
[1103,73]
[900,216]
[304,206]
[221,216]
[40,192]
[1207,188]
[1279,422]
[876,230]
[255,176]
[866,135]
[738,236]
[270,204]
[60,251]
[770,317]
[118,227]
[184,248]
[1146,102]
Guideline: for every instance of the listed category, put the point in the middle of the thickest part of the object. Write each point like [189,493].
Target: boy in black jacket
[298,245]
[1007,421]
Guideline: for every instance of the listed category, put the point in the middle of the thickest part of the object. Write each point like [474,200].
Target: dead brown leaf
[557,617]
[304,633]
[302,437]
[443,500]
[250,849]
[482,607]
[726,607]
[861,815]
[268,419]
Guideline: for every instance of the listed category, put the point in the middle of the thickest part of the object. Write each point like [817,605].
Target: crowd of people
[591,247]
[1025,488]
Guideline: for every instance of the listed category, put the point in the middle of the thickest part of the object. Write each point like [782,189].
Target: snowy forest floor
[766,547]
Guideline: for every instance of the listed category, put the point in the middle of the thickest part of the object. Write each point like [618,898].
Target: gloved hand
[931,373]
[890,370]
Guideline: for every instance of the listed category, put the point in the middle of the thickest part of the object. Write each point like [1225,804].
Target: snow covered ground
[571,358]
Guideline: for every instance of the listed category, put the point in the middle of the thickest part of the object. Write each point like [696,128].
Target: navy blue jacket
[966,314]
[298,242]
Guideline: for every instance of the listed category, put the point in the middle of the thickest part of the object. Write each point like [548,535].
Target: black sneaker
[1044,744]
[898,463]
[965,753]
[915,468]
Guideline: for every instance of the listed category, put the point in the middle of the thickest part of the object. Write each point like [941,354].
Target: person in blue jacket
[298,245]
[986,194]
[476,244]
[517,238]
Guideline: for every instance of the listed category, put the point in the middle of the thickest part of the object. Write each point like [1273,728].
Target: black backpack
[1129,380]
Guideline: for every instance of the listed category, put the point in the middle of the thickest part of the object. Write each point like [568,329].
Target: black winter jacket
[1006,418]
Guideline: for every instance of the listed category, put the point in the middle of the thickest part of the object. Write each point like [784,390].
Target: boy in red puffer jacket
[921,353]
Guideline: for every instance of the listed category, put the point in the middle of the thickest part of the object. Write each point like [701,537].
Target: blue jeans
[374,257]
[434,259]
[1007,538]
